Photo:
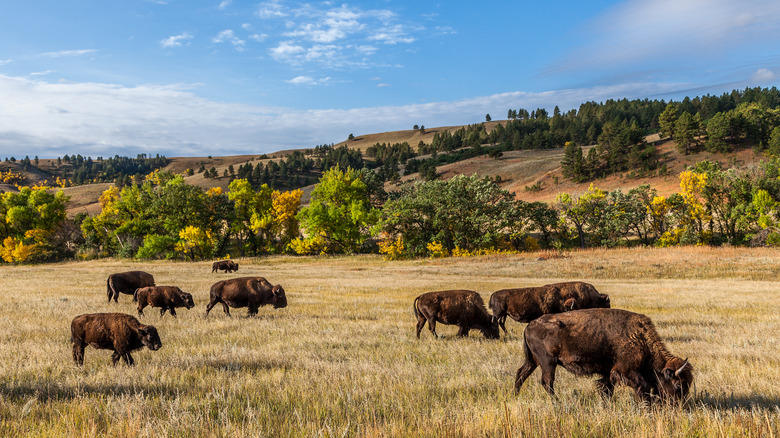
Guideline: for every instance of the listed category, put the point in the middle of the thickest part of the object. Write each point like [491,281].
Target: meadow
[343,360]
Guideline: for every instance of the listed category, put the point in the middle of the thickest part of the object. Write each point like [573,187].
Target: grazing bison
[463,308]
[164,297]
[251,292]
[618,345]
[111,331]
[127,283]
[528,303]
[224,265]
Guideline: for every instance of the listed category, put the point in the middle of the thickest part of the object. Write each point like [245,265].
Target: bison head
[491,331]
[187,298]
[234,266]
[280,299]
[602,301]
[149,337]
[675,380]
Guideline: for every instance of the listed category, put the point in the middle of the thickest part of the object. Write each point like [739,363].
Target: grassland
[342,358]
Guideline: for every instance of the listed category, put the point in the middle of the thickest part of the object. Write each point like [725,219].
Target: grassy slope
[342,358]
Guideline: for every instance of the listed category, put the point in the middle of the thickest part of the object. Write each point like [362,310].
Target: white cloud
[308,80]
[229,36]
[382,85]
[176,40]
[51,119]
[6,61]
[64,53]
[42,73]
[272,9]
[224,4]
[673,32]
[762,76]
[259,37]
[333,36]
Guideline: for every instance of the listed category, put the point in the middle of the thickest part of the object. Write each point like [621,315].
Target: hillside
[519,170]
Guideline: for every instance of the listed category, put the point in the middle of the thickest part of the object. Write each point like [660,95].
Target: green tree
[685,130]
[340,211]
[667,120]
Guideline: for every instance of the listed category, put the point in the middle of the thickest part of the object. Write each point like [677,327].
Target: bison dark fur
[111,331]
[463,308]
[164,297]
[528,303]
[127,283]
[224,265]
[617,345]
[251,292]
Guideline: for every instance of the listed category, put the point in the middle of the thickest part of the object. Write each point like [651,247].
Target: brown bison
[528,303]
[111,331]
[251,292]
[617,345]
[127,283]
[224,265]
[164,297]
[463,308]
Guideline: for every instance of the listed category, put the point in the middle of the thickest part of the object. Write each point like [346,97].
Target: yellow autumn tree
[195,243]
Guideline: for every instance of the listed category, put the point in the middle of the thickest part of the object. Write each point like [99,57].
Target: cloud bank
[93,119]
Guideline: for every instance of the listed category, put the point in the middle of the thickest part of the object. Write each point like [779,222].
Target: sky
[229,77]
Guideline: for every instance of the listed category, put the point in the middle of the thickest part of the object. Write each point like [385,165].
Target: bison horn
[680,370]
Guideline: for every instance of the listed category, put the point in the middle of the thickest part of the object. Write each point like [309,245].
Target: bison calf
[617,345]
[164,297]
[127,283]
[463,308]
[251,292]
[111,331]
[528,303]
[224,265]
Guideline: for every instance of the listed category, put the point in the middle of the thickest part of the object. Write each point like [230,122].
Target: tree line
[350,212]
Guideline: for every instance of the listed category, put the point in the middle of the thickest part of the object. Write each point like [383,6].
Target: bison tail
[109,289]
[414,307]
[135,296]
[529,357]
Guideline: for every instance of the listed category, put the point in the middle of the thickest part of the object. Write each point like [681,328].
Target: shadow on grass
[51,391]
[731,402]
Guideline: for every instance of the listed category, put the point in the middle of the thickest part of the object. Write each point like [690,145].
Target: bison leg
[78,351]
[548,376]
[605,386]
[115,358]
[128,359]
[250,312]
[634,380]
[173,312]
[432,326]
[141,309]
[501,321]
[213,302]
[524,372]
[420,323]
[463,330]
[162,312]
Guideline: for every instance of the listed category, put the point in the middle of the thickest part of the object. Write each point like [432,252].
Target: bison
[224,265]
[251,292]
[111,331]
[463,308]
[127,283]
[164,297]
[617,345]
[528,303]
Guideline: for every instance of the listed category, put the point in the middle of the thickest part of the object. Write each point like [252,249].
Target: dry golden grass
[342,358]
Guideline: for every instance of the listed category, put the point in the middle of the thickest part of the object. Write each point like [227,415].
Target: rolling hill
[533,175]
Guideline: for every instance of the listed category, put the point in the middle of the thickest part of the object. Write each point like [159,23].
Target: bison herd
[570,324]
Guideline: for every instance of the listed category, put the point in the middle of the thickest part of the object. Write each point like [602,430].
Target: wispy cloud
[64,53]
[6,61]
[229,36]
[42,73]
[224,4]
[176,40]
[672,35]
[332,36]
[308,80]
[52,119]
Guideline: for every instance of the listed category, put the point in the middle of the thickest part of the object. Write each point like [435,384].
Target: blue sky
[223,77]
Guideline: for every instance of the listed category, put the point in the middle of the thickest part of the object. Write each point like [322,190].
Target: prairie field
[342,359]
